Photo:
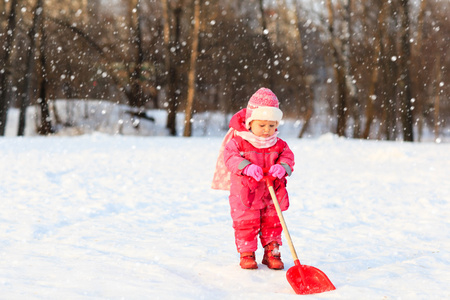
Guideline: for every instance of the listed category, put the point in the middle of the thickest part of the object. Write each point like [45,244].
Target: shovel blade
[308,280]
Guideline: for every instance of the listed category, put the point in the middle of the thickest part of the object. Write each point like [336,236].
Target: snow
[90,116]
[101,216]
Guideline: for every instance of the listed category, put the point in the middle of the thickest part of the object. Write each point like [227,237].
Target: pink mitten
[253,171]
[277,171]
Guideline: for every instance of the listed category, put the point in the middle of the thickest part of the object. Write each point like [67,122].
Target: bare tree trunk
[31,68]
[388,60]
[308,117]
[299,34]
[5,65]
[437,100]
[136,96]
[376,65]
[45,126]
[339,71]
[172,51]
[2,5]
[353,102]
[307,80]
[406,110]
[192,70]
[420,101]
[46,123]
[268,52]
[166,31]
[370,100]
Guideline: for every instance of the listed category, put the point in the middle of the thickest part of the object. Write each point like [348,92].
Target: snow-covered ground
[127,217]
[104,210]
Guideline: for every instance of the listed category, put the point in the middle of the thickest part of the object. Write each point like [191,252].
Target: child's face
[263,128]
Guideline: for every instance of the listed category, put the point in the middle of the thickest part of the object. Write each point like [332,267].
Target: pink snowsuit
[252,209]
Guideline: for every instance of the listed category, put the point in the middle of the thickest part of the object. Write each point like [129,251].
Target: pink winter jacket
[246,192]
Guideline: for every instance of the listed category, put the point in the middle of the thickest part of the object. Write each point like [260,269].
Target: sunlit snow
[102,216]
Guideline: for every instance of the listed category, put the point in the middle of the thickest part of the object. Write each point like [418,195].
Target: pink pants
[248,224]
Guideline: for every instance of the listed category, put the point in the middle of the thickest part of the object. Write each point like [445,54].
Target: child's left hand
[277,171]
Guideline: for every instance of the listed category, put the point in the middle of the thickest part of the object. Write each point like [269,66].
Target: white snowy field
[114,217]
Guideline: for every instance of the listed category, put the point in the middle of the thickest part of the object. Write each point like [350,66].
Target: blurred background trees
[375,69]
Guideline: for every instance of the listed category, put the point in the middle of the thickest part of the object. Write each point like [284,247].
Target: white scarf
[221,179]
[256,141]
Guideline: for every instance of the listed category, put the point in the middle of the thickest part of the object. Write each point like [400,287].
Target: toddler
[251,146]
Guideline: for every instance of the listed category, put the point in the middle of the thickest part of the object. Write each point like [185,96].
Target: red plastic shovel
[303,279]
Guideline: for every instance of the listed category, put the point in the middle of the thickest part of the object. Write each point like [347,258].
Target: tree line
[378,69]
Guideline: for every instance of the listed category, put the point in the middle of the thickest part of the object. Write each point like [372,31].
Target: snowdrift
[126,217]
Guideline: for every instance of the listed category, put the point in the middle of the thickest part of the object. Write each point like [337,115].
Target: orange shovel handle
[269,181]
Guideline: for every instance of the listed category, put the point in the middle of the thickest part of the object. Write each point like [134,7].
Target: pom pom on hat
[263,105]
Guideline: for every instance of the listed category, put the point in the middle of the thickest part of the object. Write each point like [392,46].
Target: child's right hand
[254,171]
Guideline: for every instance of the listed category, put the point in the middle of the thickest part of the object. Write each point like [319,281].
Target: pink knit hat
[263,105]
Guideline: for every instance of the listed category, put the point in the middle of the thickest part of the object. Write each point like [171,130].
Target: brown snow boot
[272,256]
[248,260]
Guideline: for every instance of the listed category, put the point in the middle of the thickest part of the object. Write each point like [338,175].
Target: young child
[250,146]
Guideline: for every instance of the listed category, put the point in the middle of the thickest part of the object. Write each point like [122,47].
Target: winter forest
[361,69]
